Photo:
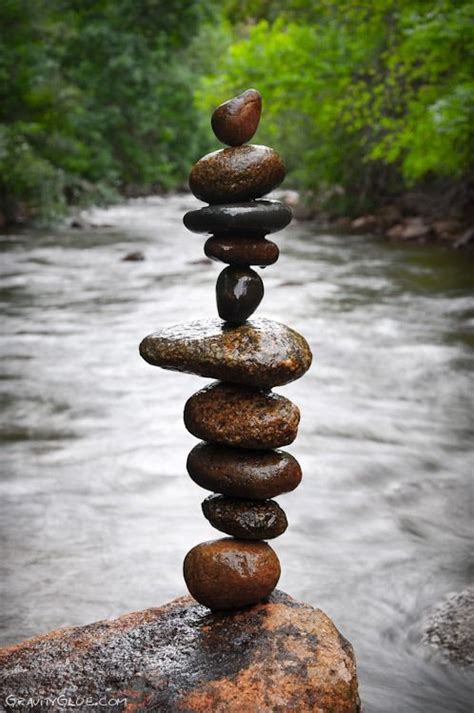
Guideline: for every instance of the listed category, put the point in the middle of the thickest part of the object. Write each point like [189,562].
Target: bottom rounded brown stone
[229,574]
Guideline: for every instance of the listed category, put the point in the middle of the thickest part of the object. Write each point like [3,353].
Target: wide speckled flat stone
[260,352]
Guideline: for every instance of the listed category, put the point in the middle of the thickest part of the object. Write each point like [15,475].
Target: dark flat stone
[181,658]
[241,251]
[252,218]
[235,121]
[240,473]
[235,415]
[258,353]
[240,173]
[245,519]
[239,291]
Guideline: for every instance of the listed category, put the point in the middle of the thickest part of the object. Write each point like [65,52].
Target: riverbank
[419,216]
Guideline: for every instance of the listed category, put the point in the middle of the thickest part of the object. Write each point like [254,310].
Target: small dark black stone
[254,218]
[239,291]
[245,519]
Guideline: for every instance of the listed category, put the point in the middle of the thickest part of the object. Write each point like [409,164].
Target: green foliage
[366,95]
[361,97]
[95,94]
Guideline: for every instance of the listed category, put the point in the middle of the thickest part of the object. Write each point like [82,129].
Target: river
[97,509]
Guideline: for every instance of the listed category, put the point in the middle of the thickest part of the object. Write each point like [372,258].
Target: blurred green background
[103,98]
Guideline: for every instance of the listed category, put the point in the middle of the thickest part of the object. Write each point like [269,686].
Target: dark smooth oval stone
[247,519]
[235,121]
[259,353]
[239,291]
[254,218]
[235,415]
[243,473]
[236,174]
[229,573]
[241,251]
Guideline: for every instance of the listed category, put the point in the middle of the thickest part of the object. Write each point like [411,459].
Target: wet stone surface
[260,352]
[451,627]
[181,658]
[254,218]
[246,519]
[243,473]
[241,251]
[235,121]
[240,173]
[230,573]
[239,416]
[239,291]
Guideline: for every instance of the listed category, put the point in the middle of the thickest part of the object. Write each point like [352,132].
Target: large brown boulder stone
[273,657]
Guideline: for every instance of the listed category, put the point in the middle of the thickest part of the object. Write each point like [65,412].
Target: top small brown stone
[235,121]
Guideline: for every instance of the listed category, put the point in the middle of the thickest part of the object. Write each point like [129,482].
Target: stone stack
[241,421]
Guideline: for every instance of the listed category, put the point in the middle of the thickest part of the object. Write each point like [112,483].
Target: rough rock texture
[230,573]
[235,121]
[239,291]
[259,353]
[270,658]
[241,251]
[451,627]
[245,519]
[240,473]
[240,173]
[234,415]
[251,218]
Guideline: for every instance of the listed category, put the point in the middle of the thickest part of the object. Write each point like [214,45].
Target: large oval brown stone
[235,121]
[229,574]
[236,174]
[258,353]
[246,519]
[239,416]
[241,251]
[241,473]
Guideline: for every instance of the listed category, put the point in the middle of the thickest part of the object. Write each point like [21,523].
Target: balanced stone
[228,573]
[235,121]
[254,218]
[240,416]
[247,519]
[243,473]
[258,353]
[239,291]
[241,251]
[236,174]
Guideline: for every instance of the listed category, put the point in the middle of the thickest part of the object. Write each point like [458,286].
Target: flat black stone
[239,291]
[252,218]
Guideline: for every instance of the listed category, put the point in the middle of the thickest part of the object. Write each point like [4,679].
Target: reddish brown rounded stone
[246,519]
[236,174]
[243,473]
[229,574]
[239,416]
[235,121]
[241,251]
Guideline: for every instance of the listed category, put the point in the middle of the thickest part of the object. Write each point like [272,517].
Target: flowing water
[97,510]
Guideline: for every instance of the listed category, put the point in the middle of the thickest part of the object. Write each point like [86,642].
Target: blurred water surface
[97,510]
